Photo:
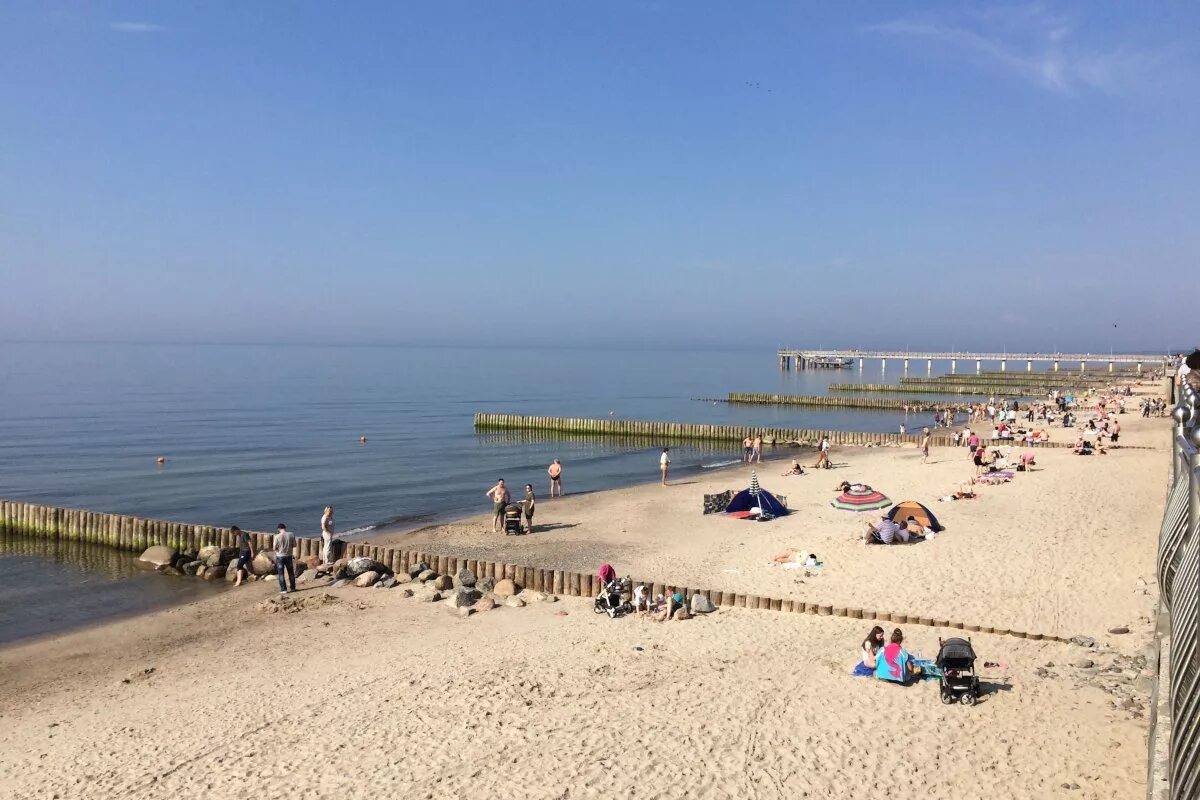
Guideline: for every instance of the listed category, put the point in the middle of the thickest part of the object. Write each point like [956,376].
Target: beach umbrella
[865,499]
[754,483]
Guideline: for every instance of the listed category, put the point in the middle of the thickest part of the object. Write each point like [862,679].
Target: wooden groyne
[134,534]
[990,380]
[884,403]
[1004,391]
[688,431]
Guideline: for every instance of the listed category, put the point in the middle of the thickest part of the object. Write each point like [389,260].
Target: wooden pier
[802,356]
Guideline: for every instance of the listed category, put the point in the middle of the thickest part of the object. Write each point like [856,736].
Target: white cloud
[136,27]
[1033,44]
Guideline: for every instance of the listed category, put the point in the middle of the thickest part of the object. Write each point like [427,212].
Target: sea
[255,435]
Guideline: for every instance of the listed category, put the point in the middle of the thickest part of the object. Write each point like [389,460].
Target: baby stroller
[610,600]
[512,520]
[958,681]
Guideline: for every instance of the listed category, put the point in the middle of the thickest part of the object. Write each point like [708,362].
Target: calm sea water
[256,435]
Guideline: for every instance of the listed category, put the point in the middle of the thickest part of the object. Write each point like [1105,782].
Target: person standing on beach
[664,464]
[327,536]
[823,454]
[756,448]
[245,554]
[747,450]
[283,544]
[528,505]
[925,439]
[499,496]
[555,473]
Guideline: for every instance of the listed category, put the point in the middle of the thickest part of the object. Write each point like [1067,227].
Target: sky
[949,176]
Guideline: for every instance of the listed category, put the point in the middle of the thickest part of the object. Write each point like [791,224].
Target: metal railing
[1179,584]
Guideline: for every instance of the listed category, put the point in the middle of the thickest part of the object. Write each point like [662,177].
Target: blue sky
[630,173]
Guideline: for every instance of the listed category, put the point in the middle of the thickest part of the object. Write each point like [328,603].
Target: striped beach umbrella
[865,499]
[754,483]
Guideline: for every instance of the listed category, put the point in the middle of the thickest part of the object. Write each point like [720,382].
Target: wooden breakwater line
[1006,391]
[135,534]
[916,404]
[1022,380]
[685,431]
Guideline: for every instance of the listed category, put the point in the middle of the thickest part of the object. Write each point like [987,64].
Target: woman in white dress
[327,535]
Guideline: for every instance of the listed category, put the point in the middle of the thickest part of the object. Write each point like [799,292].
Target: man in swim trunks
[499,496]
[925,439]
[747,449]
[756,449]
[555,473]
[245,553]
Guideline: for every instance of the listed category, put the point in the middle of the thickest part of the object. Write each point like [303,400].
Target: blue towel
[861,670]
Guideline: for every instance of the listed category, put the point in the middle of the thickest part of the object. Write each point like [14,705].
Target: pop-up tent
[911,508]
[755,502]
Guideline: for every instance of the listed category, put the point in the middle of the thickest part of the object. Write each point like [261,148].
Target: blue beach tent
[743,501]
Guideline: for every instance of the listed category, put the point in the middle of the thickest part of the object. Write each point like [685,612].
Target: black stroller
[512,520]
[956,661]
[612,602]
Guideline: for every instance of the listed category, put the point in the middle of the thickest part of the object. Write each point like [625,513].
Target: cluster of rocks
[464,593]
[214,563]
[1129,679]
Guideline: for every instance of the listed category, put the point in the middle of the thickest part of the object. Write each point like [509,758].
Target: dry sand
[375,694]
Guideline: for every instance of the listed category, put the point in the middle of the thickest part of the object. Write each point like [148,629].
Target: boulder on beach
[158,557]
[191,567]
[311,562]
[216,556]
[429,595]
[464,577]
[362,564]
[443,582]
[702,605]
[505,588]
[366,579]
[416,569]
[338,568]
[462,597]
[169,570]
[403,577]
[485,604]
[215,573]
[426,575]
[263,563]
[681,614]
[514,602]
[486,585]
[388,582]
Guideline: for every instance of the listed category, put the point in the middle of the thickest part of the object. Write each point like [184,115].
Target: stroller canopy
[911,508]
[744,502]
[957,654]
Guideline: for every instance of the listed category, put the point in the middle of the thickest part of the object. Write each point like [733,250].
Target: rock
[416,569]
[485,604]
[403,577]
[215,573]
[463,612]
[214,556]
[366,579]
[1119,629]
[504,588]
[443,582]
[464,577]
[1084,663]
[176,571]
[514,602]
[549,598]
[486,585]
[406,592]
[191,567]
[362,564]
[311,562]
[462,596]
[429,596]
[681,614]
[702,605]
[303,577]
[387,583]
[530,596]
[1083,641]
[426,575]
[340,582]
[231,573]
[263,563]
[338,568]
[158,557]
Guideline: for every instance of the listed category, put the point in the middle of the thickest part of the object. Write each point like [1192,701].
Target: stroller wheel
[947,698]
[968,698]
[599,608]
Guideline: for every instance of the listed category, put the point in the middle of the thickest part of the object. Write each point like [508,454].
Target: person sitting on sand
[1083,447]
[673,603]
[796,469]
[884,532]
[871,647]
[847,486]
[913,527]
[641,600]
[894,664]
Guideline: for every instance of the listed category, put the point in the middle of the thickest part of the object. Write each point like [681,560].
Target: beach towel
[861,670]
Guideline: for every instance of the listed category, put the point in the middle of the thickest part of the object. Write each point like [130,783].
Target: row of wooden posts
[1012,391]
[995,380]
[683,431]
[135,535]
[915,404]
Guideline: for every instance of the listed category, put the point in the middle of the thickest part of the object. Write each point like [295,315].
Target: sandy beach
[369,691]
